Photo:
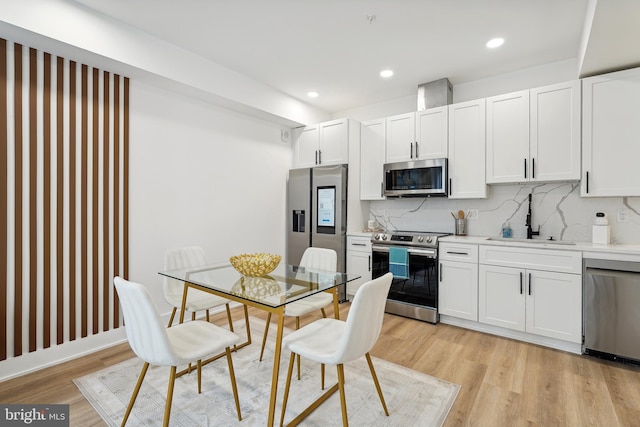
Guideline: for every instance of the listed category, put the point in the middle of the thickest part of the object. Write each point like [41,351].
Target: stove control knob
[429,239]
[376,236]
[420,239]
[384,237]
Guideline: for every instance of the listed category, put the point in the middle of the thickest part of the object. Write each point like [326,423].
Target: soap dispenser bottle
[506,230]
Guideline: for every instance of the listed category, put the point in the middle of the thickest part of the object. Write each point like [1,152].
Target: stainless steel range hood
[435,94]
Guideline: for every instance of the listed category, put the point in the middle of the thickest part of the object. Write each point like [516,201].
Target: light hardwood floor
[504,382]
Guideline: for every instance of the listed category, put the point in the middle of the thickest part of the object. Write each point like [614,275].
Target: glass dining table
[287,283]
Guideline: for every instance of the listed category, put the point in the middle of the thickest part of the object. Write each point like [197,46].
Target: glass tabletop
[287,283]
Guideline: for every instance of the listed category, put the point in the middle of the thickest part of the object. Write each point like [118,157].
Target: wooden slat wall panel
[63,198]
[4,201]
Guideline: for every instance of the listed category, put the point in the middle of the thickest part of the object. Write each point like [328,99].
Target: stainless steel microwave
[420,178]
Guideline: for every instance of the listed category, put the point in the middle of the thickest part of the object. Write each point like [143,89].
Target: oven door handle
[429,253]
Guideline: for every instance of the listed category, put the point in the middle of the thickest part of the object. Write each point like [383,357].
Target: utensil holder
[461,227]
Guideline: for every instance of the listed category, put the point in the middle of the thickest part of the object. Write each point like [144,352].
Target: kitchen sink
[533,241]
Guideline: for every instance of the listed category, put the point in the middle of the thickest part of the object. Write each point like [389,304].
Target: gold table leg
[276,367]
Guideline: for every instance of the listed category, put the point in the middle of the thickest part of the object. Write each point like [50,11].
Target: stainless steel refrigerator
[317,213]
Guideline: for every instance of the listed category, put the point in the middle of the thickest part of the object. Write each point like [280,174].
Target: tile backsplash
[556,207]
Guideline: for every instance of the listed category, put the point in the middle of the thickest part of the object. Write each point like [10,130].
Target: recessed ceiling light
[493,43]
[312,94]
[386,73]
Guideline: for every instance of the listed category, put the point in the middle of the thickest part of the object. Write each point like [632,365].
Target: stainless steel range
[414,290]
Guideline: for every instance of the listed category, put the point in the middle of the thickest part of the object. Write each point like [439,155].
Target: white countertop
[585,247]
[360,233]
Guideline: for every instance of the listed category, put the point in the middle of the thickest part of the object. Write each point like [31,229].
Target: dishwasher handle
[615,273]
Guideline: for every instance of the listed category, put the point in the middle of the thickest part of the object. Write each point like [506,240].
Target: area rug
[413,398]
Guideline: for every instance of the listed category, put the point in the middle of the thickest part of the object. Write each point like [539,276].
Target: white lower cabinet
[458,284]
[542,302]
[358,262]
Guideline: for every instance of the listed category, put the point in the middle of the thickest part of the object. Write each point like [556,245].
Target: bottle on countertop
[506,230]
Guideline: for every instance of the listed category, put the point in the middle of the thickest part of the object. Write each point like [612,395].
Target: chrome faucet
[530,232]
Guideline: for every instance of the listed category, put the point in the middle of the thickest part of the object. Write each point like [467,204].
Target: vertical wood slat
[125,184]
[84,176]
[116,189]
[48,298]
[94,199]
[46,193]
[33,197]
[72,201]
[106,285]
[17,248]
[4,201]
[59,200]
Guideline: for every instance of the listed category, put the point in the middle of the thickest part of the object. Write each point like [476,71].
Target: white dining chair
[185,257]
[158,345]
[316,259]
[336,342]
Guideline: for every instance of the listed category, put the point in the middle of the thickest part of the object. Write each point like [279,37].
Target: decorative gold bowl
[255,265]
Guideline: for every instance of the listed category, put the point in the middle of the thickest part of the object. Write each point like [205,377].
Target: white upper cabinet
[432,133]
[467,150]
[508,137]
[418,136]
[322,144]
[611,134]
[401,139]
[555,132]
[534,135]
[372,158]
[307,141]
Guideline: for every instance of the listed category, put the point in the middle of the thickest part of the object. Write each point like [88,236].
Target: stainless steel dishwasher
[611,310]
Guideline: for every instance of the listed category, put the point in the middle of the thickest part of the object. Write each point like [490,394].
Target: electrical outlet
[622,216]
[473,214]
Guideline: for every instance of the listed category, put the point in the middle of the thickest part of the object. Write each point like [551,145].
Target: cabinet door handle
[416,149]
[316,157]
[369,262]
[521,283]
[458,253]
[441,272]
[319,157]
[533,168]
[587,182]
[358,244]
[529,283]
[382,189]
[450,186]
[525,168]
[411,150]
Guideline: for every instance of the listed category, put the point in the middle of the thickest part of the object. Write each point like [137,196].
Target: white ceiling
[331,46]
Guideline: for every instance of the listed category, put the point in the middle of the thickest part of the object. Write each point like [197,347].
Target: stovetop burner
[408,238]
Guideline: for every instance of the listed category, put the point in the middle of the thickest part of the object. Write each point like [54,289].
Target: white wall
[527,78]
[201,175]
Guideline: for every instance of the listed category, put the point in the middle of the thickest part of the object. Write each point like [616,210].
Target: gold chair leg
[234,387]
[322,376]
[298,356]
[343,400]
[286,388]
[229,318]
[266,332]
[375,380]
[167,408]
[247,324]
[193,315]
[135,393]
[173,314]
[207,312]
[324,313]
[199,376]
